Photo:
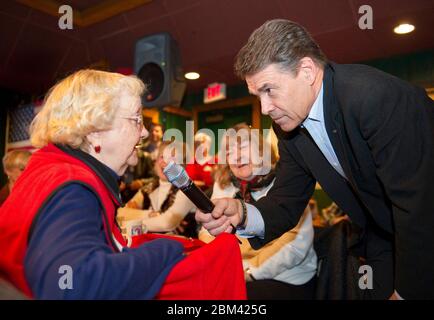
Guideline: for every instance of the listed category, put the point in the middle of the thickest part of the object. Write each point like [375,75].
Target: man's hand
[226,211]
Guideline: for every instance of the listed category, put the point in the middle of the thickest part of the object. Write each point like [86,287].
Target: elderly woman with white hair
[58,235]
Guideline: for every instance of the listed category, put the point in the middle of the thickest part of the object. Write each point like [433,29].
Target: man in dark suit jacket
[367,137]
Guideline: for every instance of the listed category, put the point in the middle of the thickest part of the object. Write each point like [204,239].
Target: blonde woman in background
[14,163]
[166,206]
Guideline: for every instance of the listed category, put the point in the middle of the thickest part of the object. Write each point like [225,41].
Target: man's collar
[316,112]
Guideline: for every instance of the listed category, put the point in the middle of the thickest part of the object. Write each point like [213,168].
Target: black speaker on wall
[157,62]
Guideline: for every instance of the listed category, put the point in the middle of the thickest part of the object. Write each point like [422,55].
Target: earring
[97,149]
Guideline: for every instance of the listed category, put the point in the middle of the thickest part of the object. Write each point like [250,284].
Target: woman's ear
[94,139]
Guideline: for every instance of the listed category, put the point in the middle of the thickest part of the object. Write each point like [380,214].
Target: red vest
[208,272]
[211,271]
[47,171]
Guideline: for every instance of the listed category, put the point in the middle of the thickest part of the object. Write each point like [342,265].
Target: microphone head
[176,175]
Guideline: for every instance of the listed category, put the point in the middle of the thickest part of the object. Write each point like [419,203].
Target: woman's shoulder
[78,192]
[69,204]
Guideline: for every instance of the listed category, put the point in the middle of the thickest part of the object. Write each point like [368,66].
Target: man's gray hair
[278,41]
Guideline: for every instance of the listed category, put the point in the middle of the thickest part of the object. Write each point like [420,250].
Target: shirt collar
[316,112]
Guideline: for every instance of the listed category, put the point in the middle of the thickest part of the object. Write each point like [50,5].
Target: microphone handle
[200,200]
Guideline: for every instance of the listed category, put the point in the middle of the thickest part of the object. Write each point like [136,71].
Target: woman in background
[14,163]
[166,206]
[284,268]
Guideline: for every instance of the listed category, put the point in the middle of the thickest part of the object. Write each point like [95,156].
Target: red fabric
[47,169]
[201,172]
[211,272]
[189,244]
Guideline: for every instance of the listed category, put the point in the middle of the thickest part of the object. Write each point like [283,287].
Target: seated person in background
[128,185]
[284,268]
[201,171]
[167,206]
[14,163]
[333,214]
[59,219]
[151,146]
[328,216]
[317,220]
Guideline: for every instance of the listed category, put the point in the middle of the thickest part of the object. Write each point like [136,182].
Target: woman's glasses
[137,118]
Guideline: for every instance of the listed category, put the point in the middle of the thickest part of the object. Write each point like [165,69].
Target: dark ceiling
[34,52]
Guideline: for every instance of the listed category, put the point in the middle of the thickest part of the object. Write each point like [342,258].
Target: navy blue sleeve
[69,232]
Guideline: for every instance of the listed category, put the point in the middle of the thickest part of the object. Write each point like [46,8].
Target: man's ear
[308,70]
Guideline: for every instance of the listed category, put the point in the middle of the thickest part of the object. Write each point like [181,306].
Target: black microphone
[177,176]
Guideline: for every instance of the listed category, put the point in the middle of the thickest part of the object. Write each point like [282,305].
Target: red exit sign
[214,91]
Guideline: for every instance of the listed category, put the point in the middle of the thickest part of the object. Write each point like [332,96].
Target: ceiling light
[404,28]
[192,75]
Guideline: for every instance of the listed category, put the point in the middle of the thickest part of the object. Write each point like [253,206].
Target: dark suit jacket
[382,130]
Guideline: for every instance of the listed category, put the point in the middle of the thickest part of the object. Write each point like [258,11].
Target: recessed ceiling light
[404,28]
[192,75]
